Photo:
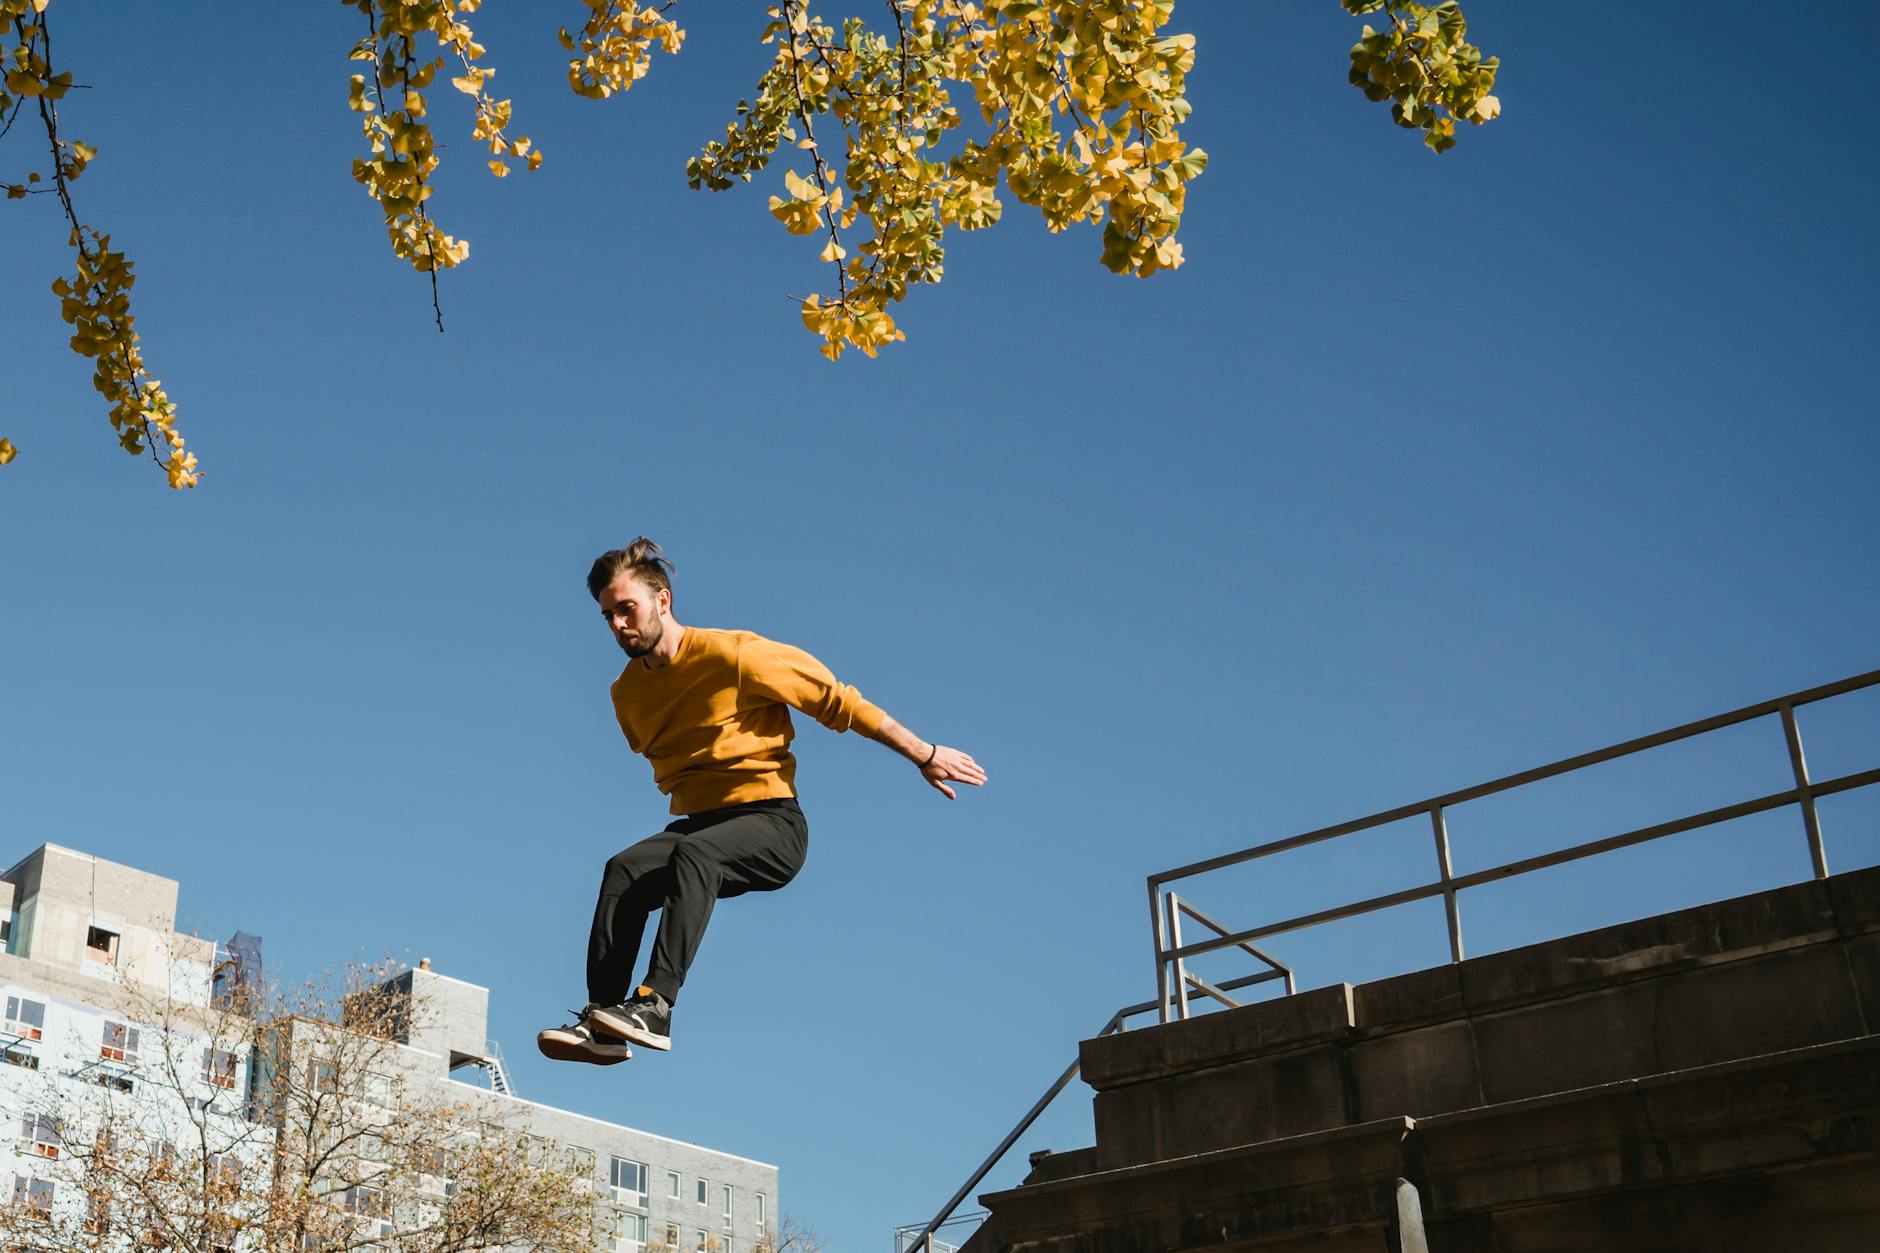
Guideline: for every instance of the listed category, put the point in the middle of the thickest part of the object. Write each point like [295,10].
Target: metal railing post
[1161,966]
[1451,907]
[1816,850]
[1175,943]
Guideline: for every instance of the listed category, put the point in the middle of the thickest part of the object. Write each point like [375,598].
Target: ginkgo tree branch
[97,301]
[1083,106]
[835,252]
[430,252]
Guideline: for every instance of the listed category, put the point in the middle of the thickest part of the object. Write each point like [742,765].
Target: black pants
[684,871]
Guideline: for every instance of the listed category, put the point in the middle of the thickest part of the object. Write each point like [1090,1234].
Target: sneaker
[579,1042]
[644,1020]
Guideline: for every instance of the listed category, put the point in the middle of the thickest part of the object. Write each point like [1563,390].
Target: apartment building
[101,999]
[653,1191]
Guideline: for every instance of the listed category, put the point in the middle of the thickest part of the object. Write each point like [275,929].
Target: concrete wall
[1702,1079]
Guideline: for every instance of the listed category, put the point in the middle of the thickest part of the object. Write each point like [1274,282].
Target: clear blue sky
[1422,471]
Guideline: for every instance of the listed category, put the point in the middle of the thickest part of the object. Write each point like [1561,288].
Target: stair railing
[922,1242]
[1166,909]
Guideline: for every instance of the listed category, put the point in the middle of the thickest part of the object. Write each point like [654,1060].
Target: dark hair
[640,558]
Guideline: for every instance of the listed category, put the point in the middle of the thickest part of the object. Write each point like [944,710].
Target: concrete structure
[1707,1079]
[92,946]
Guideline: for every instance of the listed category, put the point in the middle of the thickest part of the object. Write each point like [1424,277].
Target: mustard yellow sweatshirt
[715,720]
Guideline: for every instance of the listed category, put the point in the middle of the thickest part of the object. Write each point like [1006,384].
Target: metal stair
[499,1073]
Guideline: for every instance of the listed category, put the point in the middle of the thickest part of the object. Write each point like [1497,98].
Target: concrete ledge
[1784,1111]
[1696,1017]
[1745,926]
[1693,1017]
[1217,1039]
[1338,1188]
[1065,1165]
[1773,921]
[1204,1110]
[1856,897]
[1412,1000]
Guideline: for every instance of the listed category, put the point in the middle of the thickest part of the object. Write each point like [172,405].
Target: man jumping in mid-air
[710,710]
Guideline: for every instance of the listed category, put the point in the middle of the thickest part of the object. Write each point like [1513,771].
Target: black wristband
[935,752]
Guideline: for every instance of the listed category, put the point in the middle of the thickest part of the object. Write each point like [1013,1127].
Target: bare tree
[280,1122]
[792,1235]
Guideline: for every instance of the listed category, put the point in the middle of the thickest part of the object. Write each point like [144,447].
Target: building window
[20,1055]
[120,1043]
[727,1207]
[672,1237]
[40,1132]
[701,1244]
[626,1233]
[26,1019]
[219,1067]
[672,1190]
[581,1162]
[322,1076]
[378,1089]
[36,1194]
[763,1219]
[101,945]
[702,1189]
[629,1182]
[367,1201]
[223,1171]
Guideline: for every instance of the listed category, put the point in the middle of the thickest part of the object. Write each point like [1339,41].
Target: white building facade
[91,947]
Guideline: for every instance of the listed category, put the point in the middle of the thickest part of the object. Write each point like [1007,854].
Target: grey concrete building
[90,945]
[653,1190]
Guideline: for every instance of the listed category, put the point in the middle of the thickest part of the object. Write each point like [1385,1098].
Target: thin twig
[815,152]
[900,24]
[49,115]
[378,90]
[417,169]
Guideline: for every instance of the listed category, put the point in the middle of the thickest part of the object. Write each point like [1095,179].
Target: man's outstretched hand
[951,765]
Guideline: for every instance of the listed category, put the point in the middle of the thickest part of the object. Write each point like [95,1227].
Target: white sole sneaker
[617,1024]
[577,1044]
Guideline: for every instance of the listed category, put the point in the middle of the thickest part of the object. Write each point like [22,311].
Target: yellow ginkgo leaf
[800,188]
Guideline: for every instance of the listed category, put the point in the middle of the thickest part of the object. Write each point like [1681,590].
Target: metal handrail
[1024,1124]
[1183,980]
[1164,915]
[1279,971]
[938,1239]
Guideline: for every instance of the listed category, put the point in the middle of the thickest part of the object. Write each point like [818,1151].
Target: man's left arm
[783,672]
[938,764]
